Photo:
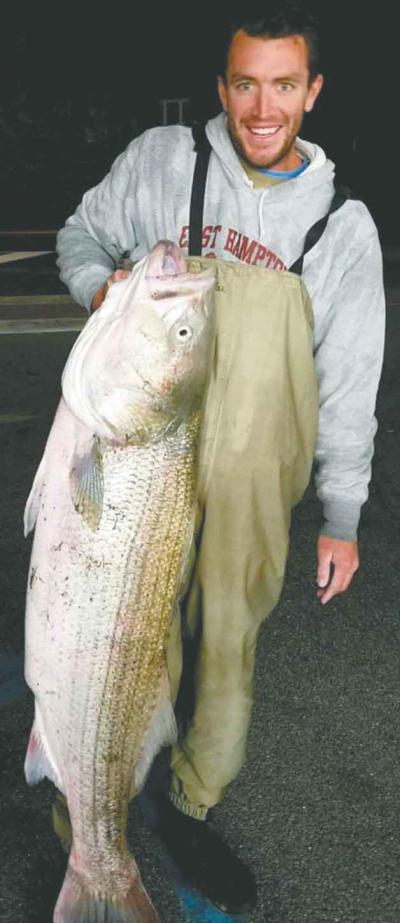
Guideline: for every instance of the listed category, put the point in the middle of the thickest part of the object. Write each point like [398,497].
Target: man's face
[266,93]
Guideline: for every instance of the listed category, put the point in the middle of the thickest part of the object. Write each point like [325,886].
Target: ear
[314,91]
[222,93]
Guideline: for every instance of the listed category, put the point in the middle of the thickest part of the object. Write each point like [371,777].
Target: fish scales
[114,528]
[131,598]
[137,646]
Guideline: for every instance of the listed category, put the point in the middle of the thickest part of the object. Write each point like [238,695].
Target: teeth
[264,131]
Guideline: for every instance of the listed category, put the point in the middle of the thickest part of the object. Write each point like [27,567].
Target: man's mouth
[263,132]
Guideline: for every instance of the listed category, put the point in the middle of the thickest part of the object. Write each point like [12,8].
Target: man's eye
[286,86]
[243,86]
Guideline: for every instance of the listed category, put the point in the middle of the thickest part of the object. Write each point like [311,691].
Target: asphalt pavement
[315,811]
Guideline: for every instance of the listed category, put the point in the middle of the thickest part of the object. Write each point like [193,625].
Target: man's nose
[263,103]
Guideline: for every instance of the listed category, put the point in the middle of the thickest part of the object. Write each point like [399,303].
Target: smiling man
[263,188]
[267,89]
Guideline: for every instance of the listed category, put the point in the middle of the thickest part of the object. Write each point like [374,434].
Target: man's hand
[337,564]
[100,295]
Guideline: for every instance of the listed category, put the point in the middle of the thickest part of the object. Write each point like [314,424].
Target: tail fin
[76,904]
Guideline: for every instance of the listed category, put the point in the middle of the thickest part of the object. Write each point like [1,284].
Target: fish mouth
[168,273]
[165,259]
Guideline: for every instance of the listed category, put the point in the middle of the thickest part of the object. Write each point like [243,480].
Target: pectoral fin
[87,485]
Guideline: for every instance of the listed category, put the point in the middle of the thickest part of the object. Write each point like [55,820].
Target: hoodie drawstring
[260,213]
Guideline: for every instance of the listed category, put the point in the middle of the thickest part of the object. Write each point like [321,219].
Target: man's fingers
[324,568]
[339,584]
[117,276]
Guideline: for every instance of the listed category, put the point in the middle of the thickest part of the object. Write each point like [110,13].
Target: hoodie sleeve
[348,363]
[101,230]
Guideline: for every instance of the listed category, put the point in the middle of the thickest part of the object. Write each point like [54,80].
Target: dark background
[78,81]
[315,811]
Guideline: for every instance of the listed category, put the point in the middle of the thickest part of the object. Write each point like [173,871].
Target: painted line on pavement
[21,255]
[36,299]
[42,325]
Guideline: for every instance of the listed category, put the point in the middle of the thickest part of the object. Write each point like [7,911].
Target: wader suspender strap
[203,148]
[316,231]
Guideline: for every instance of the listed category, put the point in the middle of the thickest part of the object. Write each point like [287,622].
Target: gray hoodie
[146,197]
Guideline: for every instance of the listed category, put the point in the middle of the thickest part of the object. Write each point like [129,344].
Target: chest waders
[256,455]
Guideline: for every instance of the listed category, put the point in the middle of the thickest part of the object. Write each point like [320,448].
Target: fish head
[140,366]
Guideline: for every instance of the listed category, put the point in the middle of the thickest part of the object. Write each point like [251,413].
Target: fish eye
[184,333]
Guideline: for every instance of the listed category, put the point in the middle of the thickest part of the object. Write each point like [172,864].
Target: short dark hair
[277,19]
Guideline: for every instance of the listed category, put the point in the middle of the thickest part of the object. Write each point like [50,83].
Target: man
[265,189]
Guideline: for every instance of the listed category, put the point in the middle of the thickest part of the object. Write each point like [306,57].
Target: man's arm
[348,362]
[94,239]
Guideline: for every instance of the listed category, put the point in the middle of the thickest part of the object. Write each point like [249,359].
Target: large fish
[113,502]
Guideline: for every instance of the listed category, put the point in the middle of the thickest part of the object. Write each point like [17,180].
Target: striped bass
[113,508]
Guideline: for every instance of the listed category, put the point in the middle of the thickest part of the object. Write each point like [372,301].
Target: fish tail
[76,904]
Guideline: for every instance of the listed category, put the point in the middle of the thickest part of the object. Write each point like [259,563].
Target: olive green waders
[255,460]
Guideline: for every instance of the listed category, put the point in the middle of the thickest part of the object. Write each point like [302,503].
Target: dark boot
[205,861]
